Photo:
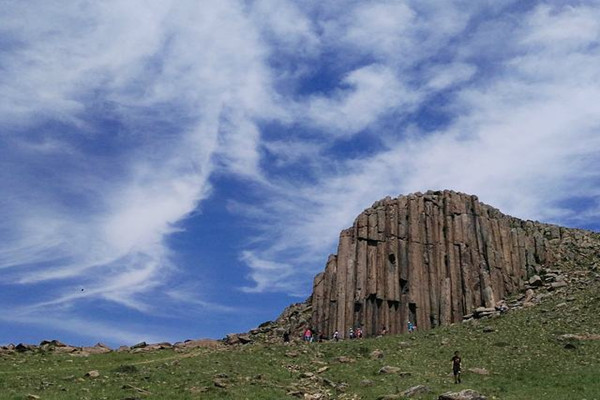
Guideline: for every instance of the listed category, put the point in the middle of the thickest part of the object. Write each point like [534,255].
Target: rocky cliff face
[432,258]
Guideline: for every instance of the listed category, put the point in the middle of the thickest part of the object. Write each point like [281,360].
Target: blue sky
[182,169]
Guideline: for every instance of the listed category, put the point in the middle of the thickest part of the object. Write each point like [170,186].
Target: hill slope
[549,350]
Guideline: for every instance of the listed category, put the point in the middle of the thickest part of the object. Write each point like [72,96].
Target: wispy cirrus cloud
[524,138]
[115,113]
[123,120]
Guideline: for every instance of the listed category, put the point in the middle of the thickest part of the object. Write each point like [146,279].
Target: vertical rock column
[428,258]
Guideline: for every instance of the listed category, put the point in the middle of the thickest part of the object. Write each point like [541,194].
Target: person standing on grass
[456,360]
[307,335]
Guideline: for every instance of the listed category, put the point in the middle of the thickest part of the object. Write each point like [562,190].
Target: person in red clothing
[307,335]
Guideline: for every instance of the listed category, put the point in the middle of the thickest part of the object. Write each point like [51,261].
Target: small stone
[376,354]
[366,383]
[345,360]
[33,397]
[479,371]
[195,389]
[557,285]
[92,374]
[329,382]
[244,339]
[342,387]
[467,394]
[535,281]
[322,369]
[137,389]
[529,295]
[220,383]
[415,391]
[388,369]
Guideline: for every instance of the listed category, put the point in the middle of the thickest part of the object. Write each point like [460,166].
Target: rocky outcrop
[54,346]
[293,321]
[433,258]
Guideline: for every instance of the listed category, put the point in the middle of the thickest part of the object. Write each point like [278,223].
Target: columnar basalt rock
[432,258]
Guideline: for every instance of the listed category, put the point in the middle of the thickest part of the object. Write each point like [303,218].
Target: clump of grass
[126,369]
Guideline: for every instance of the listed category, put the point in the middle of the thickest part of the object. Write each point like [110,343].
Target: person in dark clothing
[286,337]
[456,360]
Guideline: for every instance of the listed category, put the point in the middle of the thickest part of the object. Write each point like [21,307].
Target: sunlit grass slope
[524,352]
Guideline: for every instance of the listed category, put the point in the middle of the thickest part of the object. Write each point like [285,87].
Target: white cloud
[371,92]
[267,275]
[287,26]
[167,72]
[384,28]
[147,102]
[565,28]
[448,75]
[88,328]
[525,140]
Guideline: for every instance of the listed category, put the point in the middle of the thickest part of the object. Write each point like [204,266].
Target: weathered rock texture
[432,258]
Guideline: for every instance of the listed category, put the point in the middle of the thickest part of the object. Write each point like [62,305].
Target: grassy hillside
[524,351]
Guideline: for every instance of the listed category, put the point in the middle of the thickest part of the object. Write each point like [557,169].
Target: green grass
[524,355]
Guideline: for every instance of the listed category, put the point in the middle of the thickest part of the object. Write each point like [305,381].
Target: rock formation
[431,259]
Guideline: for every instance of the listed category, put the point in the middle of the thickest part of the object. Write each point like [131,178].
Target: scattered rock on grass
[388,369]
[479,371]
[376,354]
[557,285]
[196,390]
[389,397]
[220,383]
[92,374]
[415,391]
[535,281]
[137,389]
[467,394]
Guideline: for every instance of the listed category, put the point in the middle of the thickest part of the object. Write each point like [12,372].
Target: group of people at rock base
[311,336]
